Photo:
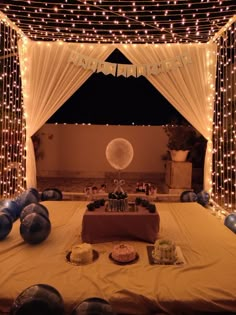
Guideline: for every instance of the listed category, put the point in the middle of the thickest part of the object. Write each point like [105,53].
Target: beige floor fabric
[205,283]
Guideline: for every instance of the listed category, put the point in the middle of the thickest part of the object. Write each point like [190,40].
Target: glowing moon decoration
[119,153]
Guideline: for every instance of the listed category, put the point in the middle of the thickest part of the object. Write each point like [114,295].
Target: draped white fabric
[190,89]
[49,79]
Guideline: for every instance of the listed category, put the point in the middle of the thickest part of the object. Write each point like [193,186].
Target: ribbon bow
[119,183]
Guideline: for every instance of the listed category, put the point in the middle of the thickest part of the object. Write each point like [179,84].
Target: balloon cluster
[202,197]
[35,225]
[151,207]
[96,204]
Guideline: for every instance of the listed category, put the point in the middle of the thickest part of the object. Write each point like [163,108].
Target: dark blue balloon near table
[5,224]
[38,299]
[230,222]
[35,228]
[34,208]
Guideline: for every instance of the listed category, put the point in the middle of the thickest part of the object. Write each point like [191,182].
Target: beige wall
[79,150]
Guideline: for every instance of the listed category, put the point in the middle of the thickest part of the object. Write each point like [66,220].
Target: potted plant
[181,138]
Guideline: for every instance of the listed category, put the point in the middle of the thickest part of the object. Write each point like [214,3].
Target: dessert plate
[95,257]
[124,263]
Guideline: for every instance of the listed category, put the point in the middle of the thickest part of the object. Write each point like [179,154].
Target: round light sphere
[11,207]
[38,299]
[35,228]
[230,222]
[94,305]
[188,196]
[5,224]
[119,153]
[203,198]
[34,208]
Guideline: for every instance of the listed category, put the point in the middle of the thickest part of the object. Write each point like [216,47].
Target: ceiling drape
[49,79]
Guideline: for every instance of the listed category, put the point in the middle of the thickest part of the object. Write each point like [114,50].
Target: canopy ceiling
[103,21]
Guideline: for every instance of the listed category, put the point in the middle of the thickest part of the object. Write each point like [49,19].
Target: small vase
[179,155]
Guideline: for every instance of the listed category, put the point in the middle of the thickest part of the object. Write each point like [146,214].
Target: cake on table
[118,201]
[81,253]
[164,251]
[123,253]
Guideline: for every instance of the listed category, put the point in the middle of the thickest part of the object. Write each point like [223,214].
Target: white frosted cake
[123,253]
[81,253]
[164,251]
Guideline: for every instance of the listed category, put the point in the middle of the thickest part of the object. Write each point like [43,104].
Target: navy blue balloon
[51,194]
[38,299]
[35,192]
[35,228]
[12,207]
[203,198]
[27,197]
[34,208]
[5,224]
[230,222]
[92,306]
[188,196]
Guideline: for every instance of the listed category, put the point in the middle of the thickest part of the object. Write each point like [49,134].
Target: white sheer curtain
[190,89]
[48,80]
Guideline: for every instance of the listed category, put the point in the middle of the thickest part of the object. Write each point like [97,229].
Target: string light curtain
[147,22]
[224,135]
[12,124]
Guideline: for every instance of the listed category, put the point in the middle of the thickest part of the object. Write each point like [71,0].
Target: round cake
[81,253]
[164,251]
[123,253]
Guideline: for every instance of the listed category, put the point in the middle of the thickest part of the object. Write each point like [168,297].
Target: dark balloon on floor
[11,207]
[35,192]
[34,208]
[203,198]
[39,299]
[92,306]
[51,194]
[35,228]
[188,196]
[5,224]
[230,222]
[27,197]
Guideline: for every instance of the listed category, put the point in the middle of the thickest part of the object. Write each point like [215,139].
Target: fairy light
[224,127]
[194,21]
[12,139]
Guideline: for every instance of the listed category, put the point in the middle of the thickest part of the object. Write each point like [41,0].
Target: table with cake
[120,220]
